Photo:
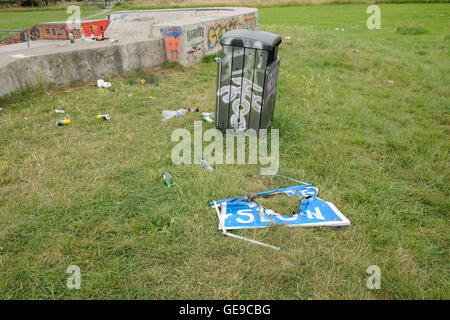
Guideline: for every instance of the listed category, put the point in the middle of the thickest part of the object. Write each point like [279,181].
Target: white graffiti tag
[240,94]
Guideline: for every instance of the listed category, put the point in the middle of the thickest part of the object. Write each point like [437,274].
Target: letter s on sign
[245,212]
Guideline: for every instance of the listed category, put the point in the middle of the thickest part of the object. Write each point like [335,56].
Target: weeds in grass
[411,30]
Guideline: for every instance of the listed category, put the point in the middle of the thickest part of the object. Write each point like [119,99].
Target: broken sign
[244,212]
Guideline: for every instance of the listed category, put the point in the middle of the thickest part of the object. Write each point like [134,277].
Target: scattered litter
[71,37]
[167,177]
[337,29]
[287,38]
[65,122]
[152,98]
[145,81]
[208,117]
[206,165]
[391,81]
[168,114]
[1,109]
[25,118]
[103,84]
[103,116]
[356,51]
[193,109]
[312,212]
[130,94]
[59,111]
[217,59]
[114,41]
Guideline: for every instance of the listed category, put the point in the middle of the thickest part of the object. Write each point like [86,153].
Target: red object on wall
[56,31]
[95,27]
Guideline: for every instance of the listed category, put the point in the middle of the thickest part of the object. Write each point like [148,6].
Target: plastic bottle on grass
[167,177]
[168,114]
[206,165]
[208,117]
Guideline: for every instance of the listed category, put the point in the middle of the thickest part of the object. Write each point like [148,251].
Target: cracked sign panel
[244,212]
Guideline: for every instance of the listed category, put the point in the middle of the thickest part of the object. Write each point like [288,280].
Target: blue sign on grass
[244,212]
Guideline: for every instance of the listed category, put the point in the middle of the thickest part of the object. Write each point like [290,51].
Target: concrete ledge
[80,65]
[189,34]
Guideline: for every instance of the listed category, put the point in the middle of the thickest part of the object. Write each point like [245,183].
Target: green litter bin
[247,80]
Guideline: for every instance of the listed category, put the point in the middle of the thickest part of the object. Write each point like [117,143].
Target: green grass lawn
[22,18]
[91,194]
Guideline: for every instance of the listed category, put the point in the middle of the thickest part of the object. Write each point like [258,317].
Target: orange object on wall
[96,27]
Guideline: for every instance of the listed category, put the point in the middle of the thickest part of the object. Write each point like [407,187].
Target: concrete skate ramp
[142,39]
[188,34]
[138,24]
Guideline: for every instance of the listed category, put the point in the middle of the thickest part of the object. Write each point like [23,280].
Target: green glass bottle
[167,177]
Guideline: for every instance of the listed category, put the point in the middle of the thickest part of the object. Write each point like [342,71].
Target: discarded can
[103,116]
[193,109]
[59,111]
[71,37]
[208,117]
[206,165]
[167,177]
[65,122]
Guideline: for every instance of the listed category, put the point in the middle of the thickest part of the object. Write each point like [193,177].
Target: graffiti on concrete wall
[215,32]
[248,21]
[172,40]
[35,34]
[194,34]
[97,27]
[194,45]
[56,69]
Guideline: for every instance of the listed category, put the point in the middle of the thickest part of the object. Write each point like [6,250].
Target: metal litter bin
[247,79]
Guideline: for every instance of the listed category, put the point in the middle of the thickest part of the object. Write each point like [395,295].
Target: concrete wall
[81,65]
[189,34]
[146,39]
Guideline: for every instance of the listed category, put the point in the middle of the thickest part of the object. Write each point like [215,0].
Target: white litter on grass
[59,111]
[168,114]
[103,84]
[287,38]
[1,109]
